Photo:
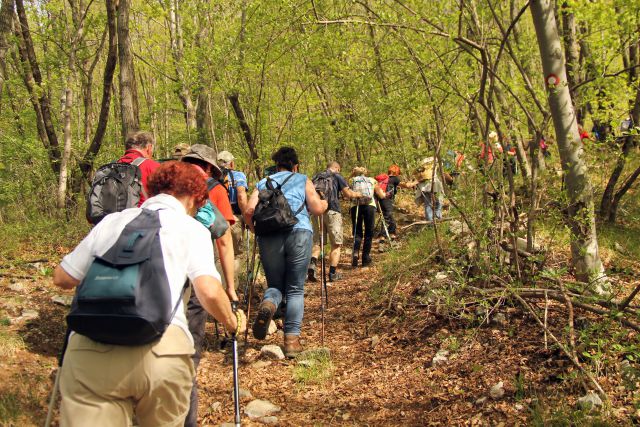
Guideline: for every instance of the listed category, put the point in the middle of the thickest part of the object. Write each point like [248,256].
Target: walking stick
[249,295]
[323,281]
[236,385]
[354,252]
[56,383]
[384,223]
[246,285]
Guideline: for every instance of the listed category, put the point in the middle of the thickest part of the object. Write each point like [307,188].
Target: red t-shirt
[218,196]
[146,168]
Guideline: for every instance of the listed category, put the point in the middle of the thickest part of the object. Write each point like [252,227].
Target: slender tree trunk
[246,131]
[6,24]
[128,87]
[571,47]
[584,241]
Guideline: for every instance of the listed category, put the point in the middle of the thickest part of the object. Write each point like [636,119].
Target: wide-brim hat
[204,153]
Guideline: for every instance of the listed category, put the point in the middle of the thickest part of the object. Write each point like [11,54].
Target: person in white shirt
[101,383]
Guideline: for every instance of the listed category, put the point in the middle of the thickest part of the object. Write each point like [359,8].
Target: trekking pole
[323,283]
[384,223]
[56,382]
[236,385]
[249,295]
[249,267]
[354,253]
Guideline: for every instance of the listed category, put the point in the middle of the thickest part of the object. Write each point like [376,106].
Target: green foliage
[313,368]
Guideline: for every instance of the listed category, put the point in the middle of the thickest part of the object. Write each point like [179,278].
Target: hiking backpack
[125,297]
[210,216]
[227,180]
[383,182]
[115,187]
[363,185]
[325,183]
[273,213]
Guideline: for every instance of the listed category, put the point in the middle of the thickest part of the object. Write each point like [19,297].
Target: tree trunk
[128,86]
[584,242]
[571,47]
[246,131]
[6,23]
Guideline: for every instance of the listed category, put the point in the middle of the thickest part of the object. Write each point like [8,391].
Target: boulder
[260,408]
[272,352]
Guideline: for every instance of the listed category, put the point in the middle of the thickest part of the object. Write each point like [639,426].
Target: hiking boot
[311,273]
[354,261]
[263,319]
[292,346]
[366,261]
[333,277]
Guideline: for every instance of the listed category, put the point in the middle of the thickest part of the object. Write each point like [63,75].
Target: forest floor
[380,369]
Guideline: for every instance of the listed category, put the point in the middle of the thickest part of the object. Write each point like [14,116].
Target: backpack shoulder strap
[286,179]
[138,161]
[212,183]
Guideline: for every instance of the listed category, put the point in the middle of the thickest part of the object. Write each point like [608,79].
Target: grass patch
[9,407]
[10,344]
[313,367]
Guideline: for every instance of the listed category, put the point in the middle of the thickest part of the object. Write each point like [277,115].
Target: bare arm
[315,204]
[242,198]
[213,298]
[379,192]
[350,194]
[225,251]
[251,208]
[63,279]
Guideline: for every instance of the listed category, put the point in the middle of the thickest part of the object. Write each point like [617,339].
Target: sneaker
[311,273]
[292,346]
[333,277]
[263,319]
[354,261]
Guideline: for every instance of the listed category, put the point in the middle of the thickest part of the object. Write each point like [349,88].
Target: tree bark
[584,243]
[6,23]
[246,131]
[571,47]
[128,86]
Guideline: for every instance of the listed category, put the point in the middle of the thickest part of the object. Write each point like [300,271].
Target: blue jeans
[429,200]
[285,259]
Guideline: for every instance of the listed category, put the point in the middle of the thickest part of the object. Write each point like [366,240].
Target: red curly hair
[394,170]
[178,179]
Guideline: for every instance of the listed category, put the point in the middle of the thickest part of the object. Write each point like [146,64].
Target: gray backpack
[125,297]
[115,187]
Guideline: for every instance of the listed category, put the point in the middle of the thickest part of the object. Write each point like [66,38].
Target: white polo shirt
[186,244]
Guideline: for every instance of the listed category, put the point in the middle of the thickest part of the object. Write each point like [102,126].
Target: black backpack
[115,187]
[325,183]
[273,213]
[125,298]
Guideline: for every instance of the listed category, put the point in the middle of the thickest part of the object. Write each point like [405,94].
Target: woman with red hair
[389,182]
[102,381]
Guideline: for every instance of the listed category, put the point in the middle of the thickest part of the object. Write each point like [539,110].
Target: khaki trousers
[103,385]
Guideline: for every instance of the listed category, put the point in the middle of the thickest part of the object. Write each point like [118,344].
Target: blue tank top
[295,192]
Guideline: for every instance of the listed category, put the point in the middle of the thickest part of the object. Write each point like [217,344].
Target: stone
[440,358]
[273,328]
[375,340]
[441,276]
[307,363]
[228,425]
[215,407]
[29,314]
[18,287]
[458,227]
[260,408]
[64,300]
[272,352]
[497,391]
[519,407]
[499,319]
[245,394]
[590,401]
[481,400]
[618,247]
[268,420]
[261,364]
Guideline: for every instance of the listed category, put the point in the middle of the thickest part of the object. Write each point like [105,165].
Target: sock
[332,270]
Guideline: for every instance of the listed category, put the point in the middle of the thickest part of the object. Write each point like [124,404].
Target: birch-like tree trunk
[584,242]
[128,87]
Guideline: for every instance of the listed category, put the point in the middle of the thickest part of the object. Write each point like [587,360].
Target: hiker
[140,145]
[428,188]
[204,158]
[236,184]
[363,213]
[179,151]
[286,253]
[389,183]
[332,220]
[107,383]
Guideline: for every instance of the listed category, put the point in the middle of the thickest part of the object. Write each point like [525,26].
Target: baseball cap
[225,157]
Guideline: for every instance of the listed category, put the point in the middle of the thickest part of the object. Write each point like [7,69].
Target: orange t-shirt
[218,196]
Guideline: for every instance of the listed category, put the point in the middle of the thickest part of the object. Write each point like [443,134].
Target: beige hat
[493,136]
[180,150]
[225,157]
[203,152]
[359,170]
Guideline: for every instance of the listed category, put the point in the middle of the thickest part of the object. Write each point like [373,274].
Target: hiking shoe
[311,273]
[263,319]
[333,277]
[292,346]
[354,261]
[366,261]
